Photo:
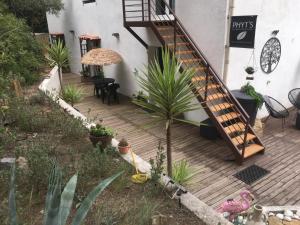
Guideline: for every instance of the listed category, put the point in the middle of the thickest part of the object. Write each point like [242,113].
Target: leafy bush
[181,172]
[21,55]
[72,94]
[100,131]
[28,118]
[250,90]
[39,159]
[157,166]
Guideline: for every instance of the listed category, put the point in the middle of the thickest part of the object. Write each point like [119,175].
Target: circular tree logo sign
[270,55]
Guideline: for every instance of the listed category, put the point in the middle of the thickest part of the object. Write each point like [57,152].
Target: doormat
[251,174]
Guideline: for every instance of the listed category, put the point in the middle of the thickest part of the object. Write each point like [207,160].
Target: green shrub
[100,131]
[72,94]
[39,155]
[250,90]
[157,166]
[182,172]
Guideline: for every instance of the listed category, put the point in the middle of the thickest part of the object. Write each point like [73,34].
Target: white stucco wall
[206,21]
[103,18]
[273,15]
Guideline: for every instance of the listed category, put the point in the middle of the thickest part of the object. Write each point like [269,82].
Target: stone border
[50,86]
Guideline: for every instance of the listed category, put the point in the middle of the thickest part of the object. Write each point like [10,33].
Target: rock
[296,217]
[280,216]
[240,219]
[22,162]
[162,220]
[288,213]
[287,218]
[298,213]
[226,214]
[271,214]
[6,162]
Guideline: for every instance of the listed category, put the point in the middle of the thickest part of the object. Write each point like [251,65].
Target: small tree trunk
[169,151]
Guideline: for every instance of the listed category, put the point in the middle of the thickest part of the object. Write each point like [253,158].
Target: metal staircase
[224,110]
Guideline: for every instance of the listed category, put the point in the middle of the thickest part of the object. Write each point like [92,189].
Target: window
[161,7]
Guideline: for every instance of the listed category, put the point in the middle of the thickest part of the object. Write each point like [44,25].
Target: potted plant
[102,135]
[252,109]
[250,71]
[123,146]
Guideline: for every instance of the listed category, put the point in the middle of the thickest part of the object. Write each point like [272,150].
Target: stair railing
[175,22]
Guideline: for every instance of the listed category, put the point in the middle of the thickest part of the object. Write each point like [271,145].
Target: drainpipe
[230,8]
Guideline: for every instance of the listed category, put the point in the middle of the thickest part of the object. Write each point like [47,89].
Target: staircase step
[185,52]
[190,60]
[215,96]
[235,128]
[252,150]
[172,36]
[178,44]
[220,107]
[199,78]
[164,28]
[240,139]
[227,117]
[210,86]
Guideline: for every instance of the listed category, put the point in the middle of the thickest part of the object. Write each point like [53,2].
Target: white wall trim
[50,86]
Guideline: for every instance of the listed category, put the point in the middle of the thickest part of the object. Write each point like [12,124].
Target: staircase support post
[175,36]
[143,10]
[206,82]
[149,10]
[245,138]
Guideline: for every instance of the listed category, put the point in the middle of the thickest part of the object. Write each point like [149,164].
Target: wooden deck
[213,182]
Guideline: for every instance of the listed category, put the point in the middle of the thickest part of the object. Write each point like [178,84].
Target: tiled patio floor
[213,182]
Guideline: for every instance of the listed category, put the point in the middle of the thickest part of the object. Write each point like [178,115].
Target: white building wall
[273,15]
[205,20]
[103,19]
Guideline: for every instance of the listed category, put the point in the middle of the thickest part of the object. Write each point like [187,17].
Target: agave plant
[58,204]
[182,172]
[72,94]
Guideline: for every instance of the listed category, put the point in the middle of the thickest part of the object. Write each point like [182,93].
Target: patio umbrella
[101,57]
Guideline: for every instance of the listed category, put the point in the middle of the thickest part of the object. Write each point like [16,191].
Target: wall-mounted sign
[242,31]
[270,55]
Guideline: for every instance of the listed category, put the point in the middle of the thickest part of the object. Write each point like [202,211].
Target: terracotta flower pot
[124,150]
[103,141]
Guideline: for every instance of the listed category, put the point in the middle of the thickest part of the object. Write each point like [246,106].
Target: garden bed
[40,131]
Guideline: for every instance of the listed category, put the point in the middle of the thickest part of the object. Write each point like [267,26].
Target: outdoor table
[101,84]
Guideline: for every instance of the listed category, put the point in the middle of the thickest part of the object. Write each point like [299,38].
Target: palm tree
[170,94]
[58,56]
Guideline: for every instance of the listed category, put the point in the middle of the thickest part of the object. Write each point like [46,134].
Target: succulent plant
[250,70]
[59,204]
[123,143]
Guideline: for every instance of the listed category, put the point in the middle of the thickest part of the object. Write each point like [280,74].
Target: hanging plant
[250,70]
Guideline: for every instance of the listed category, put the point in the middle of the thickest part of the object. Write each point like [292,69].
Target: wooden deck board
[213,181]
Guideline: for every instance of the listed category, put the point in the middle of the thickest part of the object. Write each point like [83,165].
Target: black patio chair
[294,97]
[111,91]
[276,109]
